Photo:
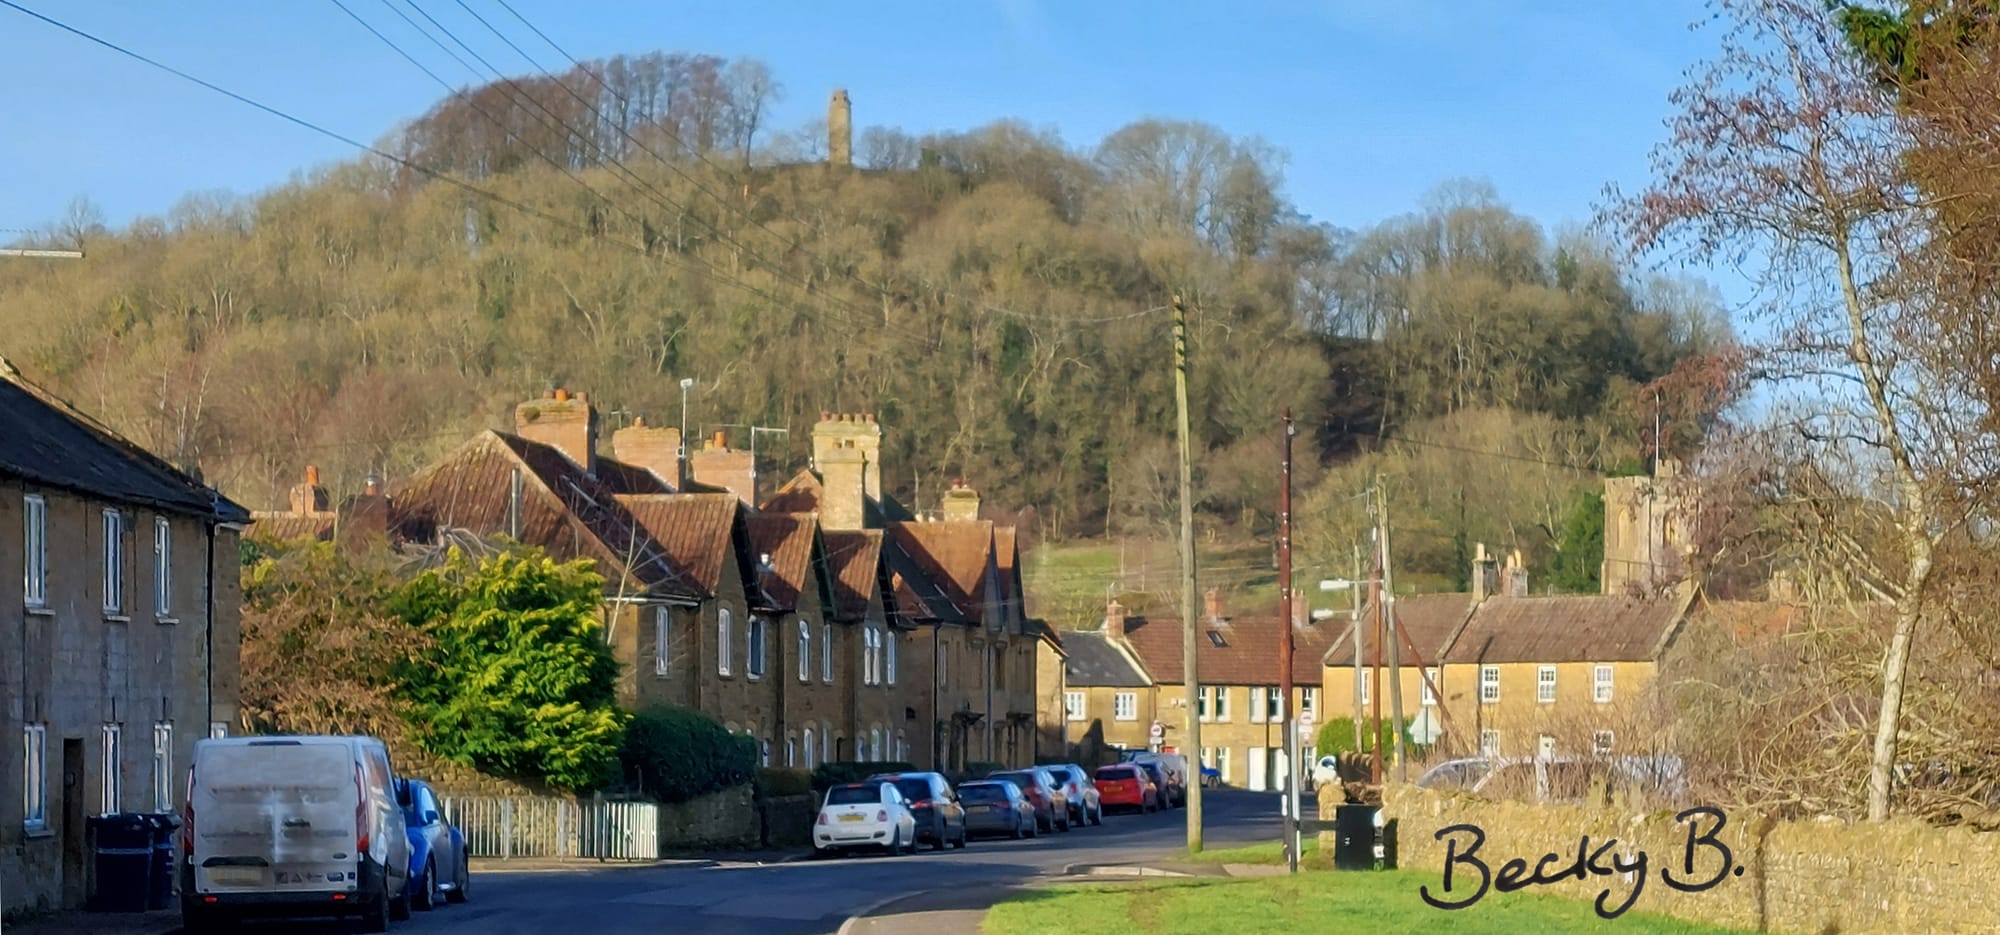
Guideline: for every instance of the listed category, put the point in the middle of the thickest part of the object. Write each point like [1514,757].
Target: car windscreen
[1117,772]
[853,795]
[994,793]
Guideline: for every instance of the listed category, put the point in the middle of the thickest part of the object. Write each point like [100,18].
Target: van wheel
[399,908]
[376,918]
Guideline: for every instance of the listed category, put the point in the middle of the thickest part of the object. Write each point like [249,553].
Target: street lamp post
[681,456]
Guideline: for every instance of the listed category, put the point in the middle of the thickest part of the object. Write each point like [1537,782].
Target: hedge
[674,754]
[1337,736]
[828,775]
[777,781]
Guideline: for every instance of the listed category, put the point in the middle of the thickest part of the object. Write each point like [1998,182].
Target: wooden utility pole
[1290,736]
[1375,671]
[1354,616]
[1190,674]
[1395,653]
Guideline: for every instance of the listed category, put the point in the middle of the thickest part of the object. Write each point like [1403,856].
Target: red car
[1127,786]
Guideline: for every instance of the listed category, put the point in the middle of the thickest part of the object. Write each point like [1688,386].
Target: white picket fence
[552,827]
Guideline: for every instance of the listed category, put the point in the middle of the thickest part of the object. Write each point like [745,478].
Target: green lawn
[1269,853]
[1067,583]
[1384,901]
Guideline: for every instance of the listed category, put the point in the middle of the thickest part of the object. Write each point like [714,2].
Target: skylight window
[1217,639]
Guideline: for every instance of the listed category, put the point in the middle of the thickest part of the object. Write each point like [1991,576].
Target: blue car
[438,863]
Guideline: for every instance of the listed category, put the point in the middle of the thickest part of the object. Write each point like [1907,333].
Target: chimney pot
[548,394]
[825,416]
[312,475]
[562,396]
[721,439]
[1213,600]
[638,422]
[373,485]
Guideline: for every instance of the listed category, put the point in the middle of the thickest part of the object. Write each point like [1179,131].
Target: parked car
[439,867]
[1172,765]
[997,806]
[1085,805]
[1127,785]
[292,826]
[865,814]
[1460,774]
[1157,774]
[1051,809]
[936,809]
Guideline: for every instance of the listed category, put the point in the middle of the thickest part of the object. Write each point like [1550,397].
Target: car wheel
[427,889]
[896,843]
[458,893]
[943,832]
[1097,814]
[964,837]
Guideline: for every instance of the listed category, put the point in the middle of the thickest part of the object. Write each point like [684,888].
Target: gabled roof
[1094,660]
[629,479]
[1586,628]
[1244,652]
[916,594]
[289,527]
[698,532]
[50,443]
[955,555]
[802,494]
[1428,620]
[788,538]
[854,556]
[562,510]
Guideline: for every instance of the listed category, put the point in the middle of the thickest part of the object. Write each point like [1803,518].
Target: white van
[293,826]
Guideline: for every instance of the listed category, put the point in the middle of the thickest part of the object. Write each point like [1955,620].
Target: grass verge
[1310,902]
[1272,853]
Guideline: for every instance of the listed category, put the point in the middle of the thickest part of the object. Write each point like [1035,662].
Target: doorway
[74,837]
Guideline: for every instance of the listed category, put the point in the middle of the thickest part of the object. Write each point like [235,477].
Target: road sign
[1158,731]
[1424,728]
[1305,725]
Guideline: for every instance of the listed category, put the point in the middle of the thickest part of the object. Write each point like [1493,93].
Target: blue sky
[1374,102]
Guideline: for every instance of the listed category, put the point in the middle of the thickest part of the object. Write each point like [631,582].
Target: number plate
[979,808]
[853,818]
[236,876]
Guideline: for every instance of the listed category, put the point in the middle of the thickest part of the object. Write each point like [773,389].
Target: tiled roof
[855,557]
[562,510]
[49,442]
[917,595]
[696,531]
[629,479]
[788,539]
[1428,619]
[288,527]
[801,494]
[1095,661]
[1248,654]
[955,555]
[1588,628]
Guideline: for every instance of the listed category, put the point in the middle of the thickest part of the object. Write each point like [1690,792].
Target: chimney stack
[565,423]
[1114,619]
[718,465]
[1301,610]
[652,448]
[309,498]
[1213,600]
[843,502]
[961,503]
[858,431]
[1516,575]
[1485,574]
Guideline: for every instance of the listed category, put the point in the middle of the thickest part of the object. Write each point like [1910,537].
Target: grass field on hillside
[1385,901]
[1067,584]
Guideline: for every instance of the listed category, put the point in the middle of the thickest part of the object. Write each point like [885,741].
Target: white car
[865,814]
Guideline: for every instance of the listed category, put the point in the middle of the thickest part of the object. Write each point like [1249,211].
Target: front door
[1258,761]
[75,839]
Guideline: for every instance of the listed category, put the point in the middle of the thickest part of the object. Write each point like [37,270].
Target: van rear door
[276,815]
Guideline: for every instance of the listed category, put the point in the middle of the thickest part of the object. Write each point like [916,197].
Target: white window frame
[871,655]
[1222,763]
[1222,703]
[35,551]
[1545,684]
[1601,684]
[1256,704]
[1309,703]
[1367,678]
[944,665]
[1489,743]
[805,650]
[1204,711]
[1274,707]
[809,764]
[1601,742]
[791,752]
[723,655]
[1489,684]
[764,752]
[111,790]
[163,568]
[1125,706]
[35,777]
[163,766]
[826,653]
[114,561]
[1075,706]
[889,638]
[663,641]
[753,664]
[1429,696]
[875,744]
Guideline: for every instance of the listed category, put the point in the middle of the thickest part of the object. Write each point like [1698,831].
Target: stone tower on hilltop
[840,130]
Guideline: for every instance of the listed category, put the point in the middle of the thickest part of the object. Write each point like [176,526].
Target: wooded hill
[995,295]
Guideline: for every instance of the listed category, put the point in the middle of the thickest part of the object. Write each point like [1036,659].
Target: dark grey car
[997,806]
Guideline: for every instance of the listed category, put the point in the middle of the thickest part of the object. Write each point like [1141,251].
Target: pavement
[765,893]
